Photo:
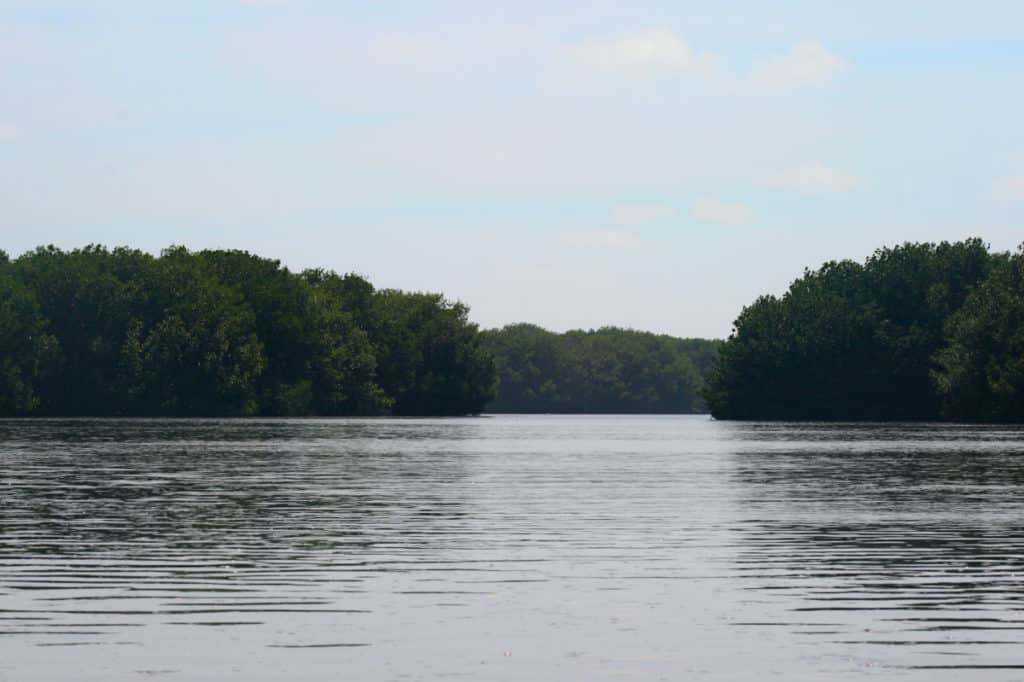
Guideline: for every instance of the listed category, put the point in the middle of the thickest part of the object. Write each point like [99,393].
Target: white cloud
[806,63]
[639,214]
[811,177]
[7,132]
[710,210]
[601,239]
[1011,188]
[659,48]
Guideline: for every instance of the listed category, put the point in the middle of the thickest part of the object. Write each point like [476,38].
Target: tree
[95,331]
[848,341]
[430,359]
[27,350]
[980,372]
[609,370]
[202,356]
[344,361]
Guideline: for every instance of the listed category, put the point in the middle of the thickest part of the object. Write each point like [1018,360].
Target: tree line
[101,332]
[609,370]
[917,332]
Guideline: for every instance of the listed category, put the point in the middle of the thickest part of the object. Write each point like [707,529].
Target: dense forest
[916,332]
[609,370]
[226,333]
[119,332]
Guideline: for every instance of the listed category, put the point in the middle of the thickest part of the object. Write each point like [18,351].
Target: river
[509,548]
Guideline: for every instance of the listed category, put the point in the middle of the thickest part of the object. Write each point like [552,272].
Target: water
[509,548]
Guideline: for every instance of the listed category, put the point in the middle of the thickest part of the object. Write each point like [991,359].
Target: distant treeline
[609,370]
[917,332]
[120,332]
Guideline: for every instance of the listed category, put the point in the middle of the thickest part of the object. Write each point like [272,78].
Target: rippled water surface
[509,548]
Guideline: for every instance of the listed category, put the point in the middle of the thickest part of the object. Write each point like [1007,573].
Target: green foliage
[201,354]
[850,341]
[27,351]
[343,360]
[87,299]
[606,371]
[980,373]
[282,319]
[225,333]
[430,356]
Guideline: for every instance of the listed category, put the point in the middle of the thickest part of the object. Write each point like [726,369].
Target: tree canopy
[917,332]
[96,331]
[609,370]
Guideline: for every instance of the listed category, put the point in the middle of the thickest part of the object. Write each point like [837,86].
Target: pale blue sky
[647,164]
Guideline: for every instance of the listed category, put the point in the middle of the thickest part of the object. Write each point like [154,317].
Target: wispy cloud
[711,210]
[657,48]
[811,177]
[1011,188]
[8,132]
[640,214]
[601,239]
[806,63]
[267,3]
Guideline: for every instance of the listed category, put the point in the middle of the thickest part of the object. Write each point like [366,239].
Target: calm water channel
[509,548]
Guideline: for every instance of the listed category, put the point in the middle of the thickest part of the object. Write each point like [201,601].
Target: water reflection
[265,488]
[107,527]
[508,548]
[875,536]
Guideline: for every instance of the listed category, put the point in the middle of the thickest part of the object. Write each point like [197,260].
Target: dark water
[509,548]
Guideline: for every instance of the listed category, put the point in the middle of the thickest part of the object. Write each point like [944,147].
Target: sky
[651,164]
